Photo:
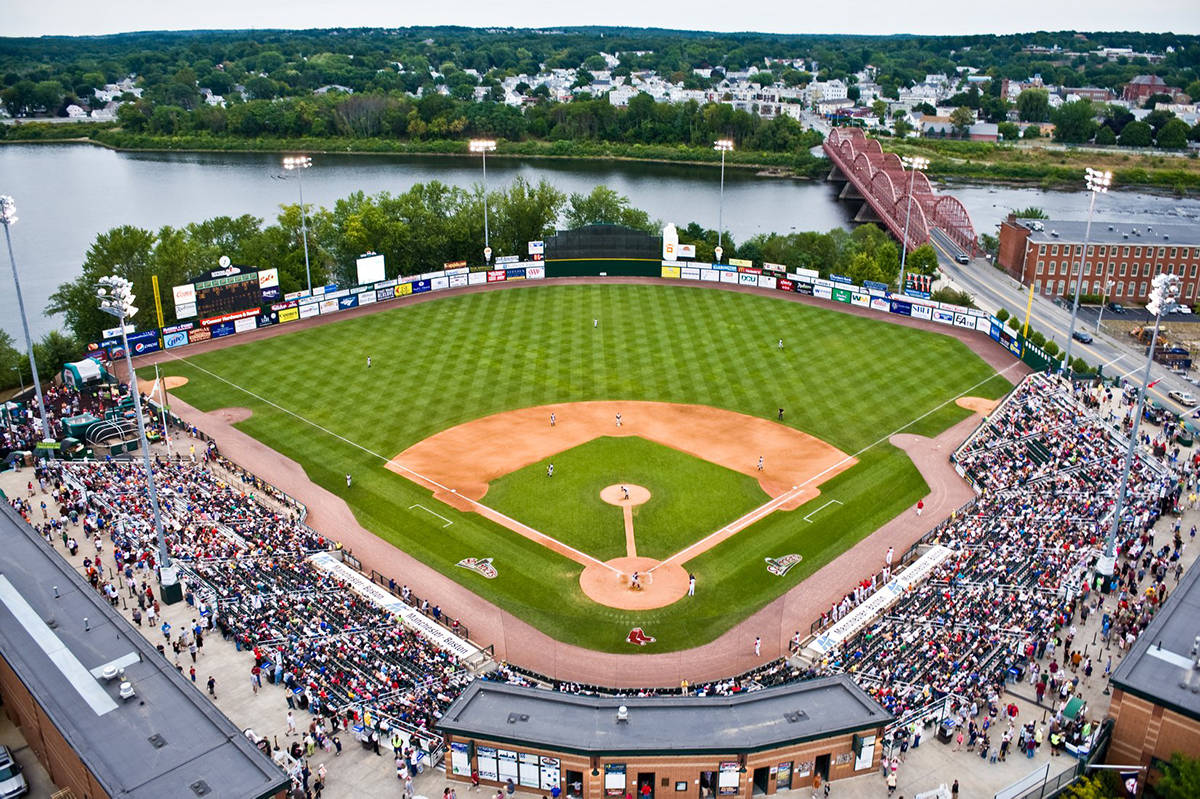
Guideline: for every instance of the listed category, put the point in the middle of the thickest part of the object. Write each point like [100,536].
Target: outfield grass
[849,380]
[689,497]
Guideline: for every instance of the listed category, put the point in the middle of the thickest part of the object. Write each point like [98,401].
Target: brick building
[1045,253]
[1156,701]
[1142,86]
[665,746]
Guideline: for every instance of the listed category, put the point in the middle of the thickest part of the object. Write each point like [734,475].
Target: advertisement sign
[982,324]
[779,269]
[439,283]
[729,277]
[767,281]
[740,262]
[279,306]
[475,278]
[871,284]
[222,329]
[485,763]
[432,275]
[422,286]
[144,342]
[670,271]
[267,319]
[783,284]
[182,326]
[710,275]
[460,759]
[457,270]
[185,310]
[801,274]
[535,273]
[745,279]
[172,340]
[367,298]
[841,279]
[311,309]
[404,289]
[686,250]
[244,325]
[383,295]
[550,773]
[900,307]
[289,315]
[727,778]
[964,320]
[804,288]
[458,281]
[326,306]
[614,779]
[537,248]
[496,275]
[515,274]
[199,334]
[268,278]
[840,295]
[880,304]
[450,265]
[530,769]
[184,294]
[859,299]
[943,316]
[507,760]
[920,311]
[345,303]
[824,292]
[507,259]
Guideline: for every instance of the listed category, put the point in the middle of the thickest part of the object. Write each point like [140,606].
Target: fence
[412,600]
[1051,786]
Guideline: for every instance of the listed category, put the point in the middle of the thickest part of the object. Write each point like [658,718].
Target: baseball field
[451,432]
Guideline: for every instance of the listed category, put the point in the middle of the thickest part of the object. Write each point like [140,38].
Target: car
[1195,381]
[1116,307]
[1183,309]
[12,781]
[962,258]
[1184,398]
[1082,335]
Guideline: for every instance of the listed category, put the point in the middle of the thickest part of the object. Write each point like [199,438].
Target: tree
[605,205]
[125,251]
[1032,212]
[523,213]
[1180,777]
[1031,132]
[1192,90]
[1009,131]
[962,118]
[879,108]
[1105,135]
[1073,122]
[55,349]
[1136,134]
[1155,99]
[1173,135]
[1033,105]
[922,261]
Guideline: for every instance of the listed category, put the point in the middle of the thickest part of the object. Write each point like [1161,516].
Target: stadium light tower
[914,164]
[116,297]
[1164,289]
[722,146]
[299,163]
[483,147]
[8,217]
[1097,183]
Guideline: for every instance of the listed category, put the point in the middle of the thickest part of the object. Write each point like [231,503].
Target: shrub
[1003,314]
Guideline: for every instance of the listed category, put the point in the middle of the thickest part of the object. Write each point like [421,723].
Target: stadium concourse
[993,615]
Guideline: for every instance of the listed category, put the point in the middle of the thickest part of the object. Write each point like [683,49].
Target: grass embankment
[989,162]
[846,379]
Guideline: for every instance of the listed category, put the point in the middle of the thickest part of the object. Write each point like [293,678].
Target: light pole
[1104,300]
[20,377]
[1164,289]
[483,147]
[8,217]
[722,146]
[1097,183]
[301,163]
[116,297]
[914,164]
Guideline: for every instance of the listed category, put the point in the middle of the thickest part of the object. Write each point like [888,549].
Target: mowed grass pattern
[846,379]
[689,497]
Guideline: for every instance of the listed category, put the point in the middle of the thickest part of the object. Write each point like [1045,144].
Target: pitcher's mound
[977,404]
[174,381]
[666,584]
[615,495]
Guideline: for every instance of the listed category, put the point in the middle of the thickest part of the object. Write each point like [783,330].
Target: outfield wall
[328,300]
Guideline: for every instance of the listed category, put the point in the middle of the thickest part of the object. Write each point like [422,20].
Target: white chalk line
[395,465]
[808,518]
[763,510]
[432,513]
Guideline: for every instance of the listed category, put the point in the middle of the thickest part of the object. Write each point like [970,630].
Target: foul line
[400,466]
[823,507]
[427,510]
[764,510]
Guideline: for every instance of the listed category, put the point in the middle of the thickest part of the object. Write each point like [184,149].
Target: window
[1102,251]
[1061,286]
[1137,252]
[1142,289]
[1123,265]
[1162,252]
[1193,271]
[1190,290]
[1041,249]
[1112,268]
[1145,270]
[1087,268]
[1173,250]
[1037,287]
[1125,251]
[1119,290]
[1054,250]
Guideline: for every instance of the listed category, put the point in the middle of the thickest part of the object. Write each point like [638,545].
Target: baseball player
[347,479]
[618,418]
[550,470]
[760,463]
[368,361]
[625,490]
[553,418]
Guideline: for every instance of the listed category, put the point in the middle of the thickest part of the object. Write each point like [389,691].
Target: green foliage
[1032,212]
[1051,347]
[962,118]
[1033,105]
[1031,132]
[1098,785]
[1009,131]
[1136,134]
[604,205]
[1037,337]
[1002,314]
[1105,135]
[1173,135]
[953,296]
[922,261]
[1073,122]
[1180,778]
[1014,323]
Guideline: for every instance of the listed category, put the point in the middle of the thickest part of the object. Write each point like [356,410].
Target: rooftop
[747,722]
[1159,667]
[168,740]
[1104,232]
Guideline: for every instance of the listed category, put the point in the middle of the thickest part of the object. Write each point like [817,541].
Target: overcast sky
[82,17]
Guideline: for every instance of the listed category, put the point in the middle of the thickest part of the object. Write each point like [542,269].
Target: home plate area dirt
[457,465]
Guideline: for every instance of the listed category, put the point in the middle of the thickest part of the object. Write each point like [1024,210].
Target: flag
[1153,383]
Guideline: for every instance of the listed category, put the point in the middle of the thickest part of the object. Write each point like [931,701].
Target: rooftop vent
[1124,235]
[157,741]
[622,714]
[1110,227]
[513,718]
[1054,233]
[795,715]
[200,788]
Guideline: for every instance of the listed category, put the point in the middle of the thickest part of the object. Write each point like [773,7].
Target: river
[67,193]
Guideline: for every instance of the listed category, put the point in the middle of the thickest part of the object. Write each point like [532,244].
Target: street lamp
[301,163]
[8,217]
[722,146]
[20,377]
[116,297]
[1164,289]
[1097,183]
[914,164]
[1103,301]
[483,147]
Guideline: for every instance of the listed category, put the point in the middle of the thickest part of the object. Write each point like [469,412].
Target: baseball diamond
[669,390]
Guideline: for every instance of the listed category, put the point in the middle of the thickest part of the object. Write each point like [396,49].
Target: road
[992,289]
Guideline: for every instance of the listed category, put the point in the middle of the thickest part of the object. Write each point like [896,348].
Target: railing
[412,600]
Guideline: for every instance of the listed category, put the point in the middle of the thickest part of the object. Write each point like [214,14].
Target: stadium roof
[747,722]
[168,740]
[1072,232]
[1159,667]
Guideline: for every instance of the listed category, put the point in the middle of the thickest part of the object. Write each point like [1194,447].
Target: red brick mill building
[1045,254]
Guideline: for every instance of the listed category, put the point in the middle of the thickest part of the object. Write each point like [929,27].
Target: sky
[88,17]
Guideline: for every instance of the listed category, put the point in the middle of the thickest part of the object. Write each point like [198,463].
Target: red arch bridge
[880,181]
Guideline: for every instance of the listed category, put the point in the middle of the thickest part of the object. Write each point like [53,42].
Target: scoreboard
[227,295]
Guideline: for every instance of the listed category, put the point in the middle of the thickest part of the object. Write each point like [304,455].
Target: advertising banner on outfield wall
[173,340]
[746,279]
[289,315]
[439,283]
[422,286]
[840,295]
[982,324]
[729,277]
[222,329]
[880,304]
[476,278]
[689,273]
[824,292]
[367,298]
[459,281]
[383,295]
[943,316]
[710,275]
[921,311]
[805,289]
[767,281]
[326,306]
[267,319]
[181,327]
[670,271]
[514,274]
[346,303]
[496,275]
[740,262]
[244,325]
[311,309]
[535,273]
[783,284]
[900,307]
[199,334]
[144,342]
[964,320]
[861,300]
[404,289]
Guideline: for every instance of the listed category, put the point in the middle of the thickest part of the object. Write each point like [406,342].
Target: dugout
[684,747]
[603,248]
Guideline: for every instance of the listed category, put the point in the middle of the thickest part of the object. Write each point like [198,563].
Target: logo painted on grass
[481,566]
[783,565]
[636,636]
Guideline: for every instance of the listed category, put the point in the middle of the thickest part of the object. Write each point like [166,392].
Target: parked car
[1184,398]
[1116,307]
[12,781]
[1082,335]
[962,258]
